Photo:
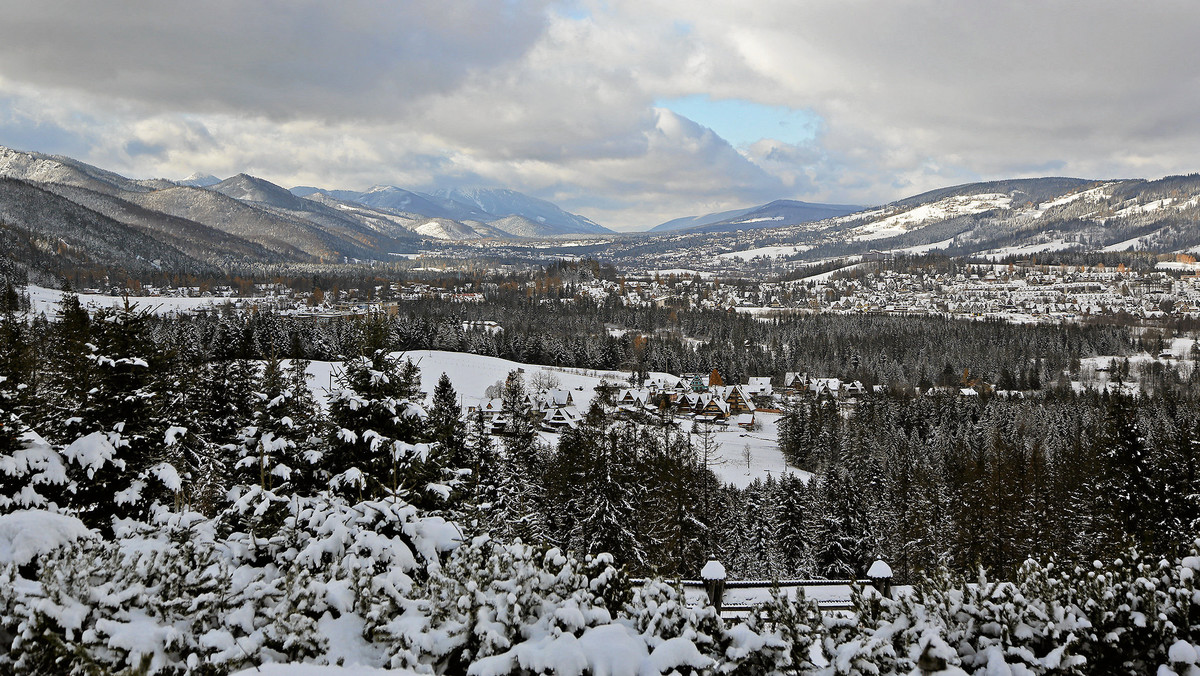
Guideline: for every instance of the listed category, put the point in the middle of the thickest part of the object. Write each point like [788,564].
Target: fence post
[713,576]
[880,575]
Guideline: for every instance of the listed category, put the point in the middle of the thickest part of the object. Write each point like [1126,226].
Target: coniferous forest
[218,516]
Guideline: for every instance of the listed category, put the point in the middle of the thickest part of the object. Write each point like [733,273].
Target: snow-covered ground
[1125,245]
[760,219]
[1095,373]
[959,205]
[823,277]
[471,374]
[924,248]
[1041,247]
[679,272]
[1177,265]
[765,252]
[46,301]
[765,456]
[1097,194]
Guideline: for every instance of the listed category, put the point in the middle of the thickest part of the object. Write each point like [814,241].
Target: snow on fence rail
[736,598]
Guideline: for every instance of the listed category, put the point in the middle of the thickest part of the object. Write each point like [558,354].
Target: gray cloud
[281,58]
[557,103]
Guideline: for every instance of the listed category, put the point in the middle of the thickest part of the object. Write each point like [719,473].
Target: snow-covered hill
[471,374]
[199,180]
[772,215]
[997,219]
[905,220]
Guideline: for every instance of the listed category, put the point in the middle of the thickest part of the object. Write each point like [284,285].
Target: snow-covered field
[1177,265]
[1125,245]
[765,458]
[1097,194]
[471,375]
[765,252]
[46,301]
[925,248]
[1095,373]
[679,272]
[822,277]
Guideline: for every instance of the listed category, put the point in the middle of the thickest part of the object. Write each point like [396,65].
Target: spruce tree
[445,426]
[68,382]
[793,527]
[603,492]
[845,545]
[119,461]
[376,427]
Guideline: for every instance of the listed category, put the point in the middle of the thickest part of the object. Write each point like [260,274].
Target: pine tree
[119,461]
[445,424]
[376,427]
[793,526]
[845,545]
[68,380]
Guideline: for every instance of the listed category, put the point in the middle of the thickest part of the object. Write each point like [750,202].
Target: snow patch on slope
[765,252]
[958,205]
[1097,194]
[1024,249]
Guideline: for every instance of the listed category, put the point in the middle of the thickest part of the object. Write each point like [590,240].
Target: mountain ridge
[168,225]
[526,216]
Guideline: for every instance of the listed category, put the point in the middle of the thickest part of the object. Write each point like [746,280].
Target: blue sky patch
[743,122]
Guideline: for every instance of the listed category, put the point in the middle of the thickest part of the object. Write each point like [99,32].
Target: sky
[630,112]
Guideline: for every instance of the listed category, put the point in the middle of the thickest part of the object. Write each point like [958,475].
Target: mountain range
[771,215]
[994,220]
[56,208]
[486,212]
[57,212]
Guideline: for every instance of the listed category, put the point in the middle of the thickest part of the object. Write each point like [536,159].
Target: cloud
[559,99]
[279,58]
[744,122]
[989,88]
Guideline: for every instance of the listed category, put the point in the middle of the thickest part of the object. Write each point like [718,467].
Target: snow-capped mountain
[243,217]
[246,218]
[199,180]
[997,218]
[391,197]
[500,203]
[41,168]
[479,212]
